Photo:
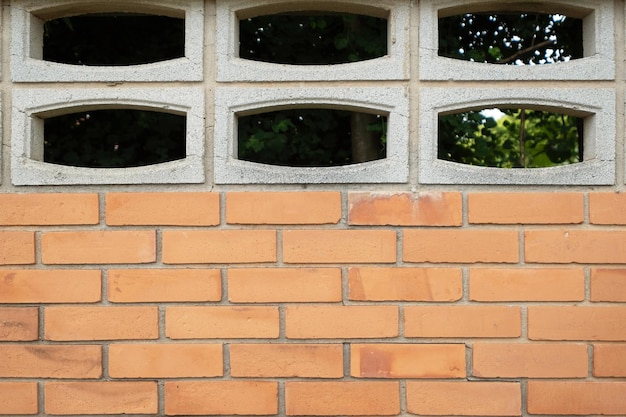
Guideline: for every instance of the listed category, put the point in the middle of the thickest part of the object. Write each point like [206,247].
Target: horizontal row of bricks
[310,285]
[306,208]
[75,323]
[319,398]
[315,246]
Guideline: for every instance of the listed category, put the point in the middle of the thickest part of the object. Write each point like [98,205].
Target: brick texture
[608,360]
[342,398]
[164,285]
[607,208]
[19,324]
[405,209]
[576,323]
[608,285]
[18,398]
[525,208]
[18,248]
[177,209]
[50,361]
[405,284]
[283,207]
[48,209]
[50,286]
[464,398]
[407,360]
[575,246]
[576,398]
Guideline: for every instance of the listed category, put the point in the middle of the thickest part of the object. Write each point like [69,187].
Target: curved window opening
[312,38]
[511,38]
[312,137]
[114,138]
[113,39]
[510,138]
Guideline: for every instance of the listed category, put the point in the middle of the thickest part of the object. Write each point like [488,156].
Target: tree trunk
[365,143]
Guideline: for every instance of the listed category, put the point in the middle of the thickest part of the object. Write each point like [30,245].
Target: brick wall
[313,303]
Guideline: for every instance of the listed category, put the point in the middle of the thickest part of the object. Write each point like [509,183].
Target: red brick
[48,209]
[576,397]
[284,285]
[101,323]
[164,285]
[530,360]
[340,322]
[608,360]
[283,207]
[18,248]
[19,324]
[462,246]
[608,285]
[286,360]
[407,360]
[607,208]
[405,284]
[462,321]
[406,209]
[221,322]
[576,323]
[98,247]
[165,361]
[50,361]
[575,246]
[176,209]
[342,398]
[221,398]
[464,398]
[101,397]
[502,284]
[339,246]
[525,208]
[18,398]
[219,246]
[50,286]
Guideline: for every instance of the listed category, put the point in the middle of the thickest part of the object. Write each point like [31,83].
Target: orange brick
[19,324]
[525,208]
[608,360]
[340,322]
[18,398]
[464,246]
[575,246]
[50,286]
[607,208]
[339,246]
[101,397]
[342,398]
[176,209]
[464,398]
[529,360]
[221,398]
[101,323]
[50,361]
[284,285]
[405,284]
[18,248]
[283,207]
[407,360]
[577,323]
[406,209]
[462,321]
[219,246]
[165,361]
[576,397]
[608,285]
[503,284]
[48,209]
[164,285]
[286,360]
[221,322]
[98,247]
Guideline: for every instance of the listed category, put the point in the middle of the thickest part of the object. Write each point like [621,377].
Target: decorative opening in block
[511,138]
[513,38]
[312,137]
[313,38]
[113,39]
[114,138]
